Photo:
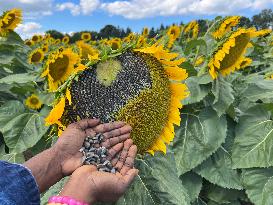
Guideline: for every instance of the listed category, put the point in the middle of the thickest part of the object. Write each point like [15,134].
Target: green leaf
[220,195]
[260,89]
[53,191]
[198,137]
[267,195]
[254,139]
[193,44]
[217,170]
[18,78]
[189,68]
[20,130]
[223,92]
[13,158]
[10,110]
[197,91]
[159,177]
[256,182]
[193,184]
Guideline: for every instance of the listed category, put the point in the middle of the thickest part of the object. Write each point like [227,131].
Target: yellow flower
[10,20]
[245,63]
[173,33]
[86,36]
[230,53]
[145,32]
[115,43]
[35,38]
[65,39]
[86,50]
[141,41]
[191,30]
[36,56]
[142,87]
[33,102]
[57,41]
[29,43]
[56,113]
[225,26]
[260,33]
[44,48]
[199,61]
[59,66]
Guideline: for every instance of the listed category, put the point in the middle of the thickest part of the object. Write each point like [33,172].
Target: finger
[115,140]
[90,132]
[114,150]
[85,123]
[130,160]
[129,177]
[107,127]
[127,144]
[117,132]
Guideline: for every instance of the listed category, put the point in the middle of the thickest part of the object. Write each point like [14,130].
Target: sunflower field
[200,104]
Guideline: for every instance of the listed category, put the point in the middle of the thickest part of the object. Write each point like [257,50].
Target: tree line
[261,21]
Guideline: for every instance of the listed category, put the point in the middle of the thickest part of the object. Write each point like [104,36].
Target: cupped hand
[97,186]
[68,145]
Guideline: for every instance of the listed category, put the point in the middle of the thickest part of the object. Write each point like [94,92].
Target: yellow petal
[56,113]
[176,73]
[68,96]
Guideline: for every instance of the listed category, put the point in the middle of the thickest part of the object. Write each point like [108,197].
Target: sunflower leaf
[21,130]
[257,183]
[254,139]
[197,91]
[13,158]
[223,93]
[193,183]
[217,170]
[18,78]
[159,177]
[198,137]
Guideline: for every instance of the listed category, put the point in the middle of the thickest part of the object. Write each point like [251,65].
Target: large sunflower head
[86,36]
[225,25]
[33,102]
[59,66]
[36,56]
[35,38]
[10,20]
[86,50]
[230,54]
[142,87]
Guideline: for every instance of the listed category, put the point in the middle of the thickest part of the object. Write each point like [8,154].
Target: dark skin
[64,157]
[89,185]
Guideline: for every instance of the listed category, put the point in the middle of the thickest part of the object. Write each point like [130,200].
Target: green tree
[55,34]
[245,22]
[109,31]
[264,19]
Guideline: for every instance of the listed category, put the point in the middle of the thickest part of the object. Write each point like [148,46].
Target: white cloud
[74,9]
[28,29]
[137,9]
[85,7]
[31,8]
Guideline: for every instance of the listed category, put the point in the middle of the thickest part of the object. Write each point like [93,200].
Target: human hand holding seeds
[89,185]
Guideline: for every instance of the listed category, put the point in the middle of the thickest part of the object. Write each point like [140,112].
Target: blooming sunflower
[29,42]
[115,43]
[191,30]
[225,25]
[57,41]
[86,36]
[173,33]
[10,20]
[199,61]
[35,38]
[65,39]
[142,87]
[145,32]
[33,102]
[86,50]
[45,48]
[262,33]
[59,66]
[246,62]
[36,56]
[230,54]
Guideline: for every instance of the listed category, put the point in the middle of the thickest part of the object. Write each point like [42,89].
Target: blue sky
[76,15]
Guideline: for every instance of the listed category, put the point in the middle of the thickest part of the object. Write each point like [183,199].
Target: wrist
[56,156]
